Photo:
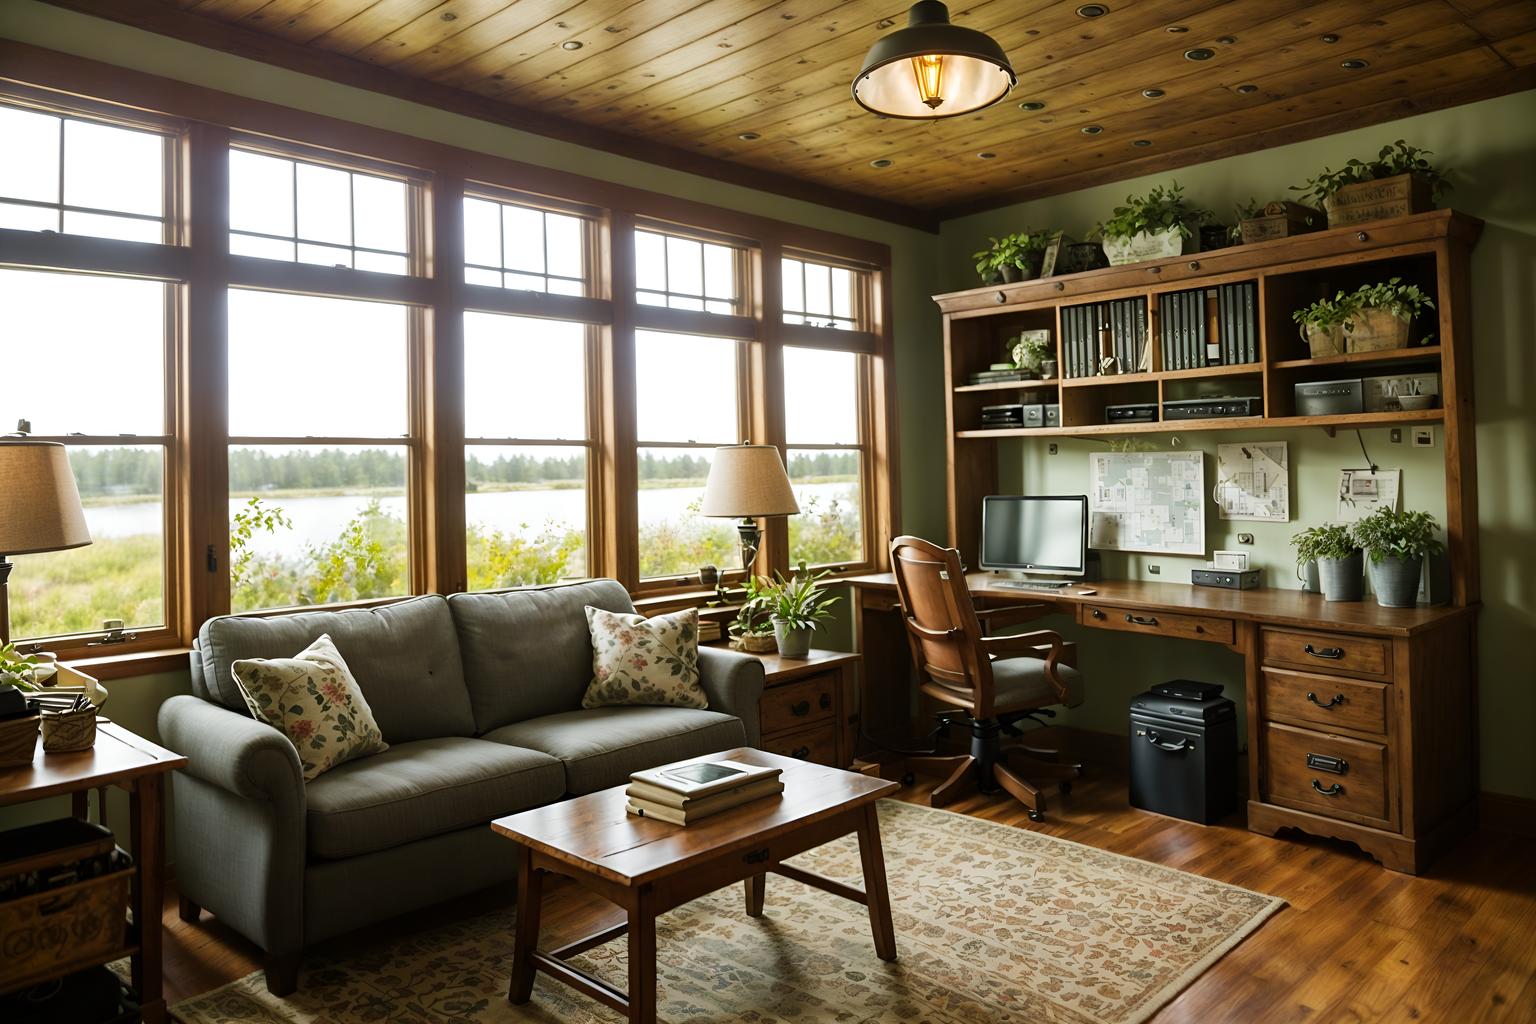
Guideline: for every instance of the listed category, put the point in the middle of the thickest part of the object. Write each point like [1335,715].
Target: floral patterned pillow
[636,660]
[314,701]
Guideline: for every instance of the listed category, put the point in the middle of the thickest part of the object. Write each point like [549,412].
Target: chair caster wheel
[908,779]
[1065,787]
[1036,816]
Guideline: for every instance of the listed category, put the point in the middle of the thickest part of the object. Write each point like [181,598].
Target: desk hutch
[1390,694]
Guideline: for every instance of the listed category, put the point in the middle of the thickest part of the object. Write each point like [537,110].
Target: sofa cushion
[636,660]
[314,701]
[601,747]
[424,788]
[527,652]
[404,656]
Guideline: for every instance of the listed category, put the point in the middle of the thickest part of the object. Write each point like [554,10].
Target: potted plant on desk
[1340,566]
[795,605]
[1397,543]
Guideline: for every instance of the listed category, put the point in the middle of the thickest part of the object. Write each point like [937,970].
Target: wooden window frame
[201,265]
[589,217]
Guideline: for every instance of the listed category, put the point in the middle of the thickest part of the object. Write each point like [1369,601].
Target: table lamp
[747,481]
[39,509]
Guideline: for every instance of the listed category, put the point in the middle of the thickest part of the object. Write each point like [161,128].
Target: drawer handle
[1327,763]
[825,701]
[800,753]
[1337,698]
[801,709]
[1331,653]
[1333,790]
[1142,620]
[1097,614]
[1156,739]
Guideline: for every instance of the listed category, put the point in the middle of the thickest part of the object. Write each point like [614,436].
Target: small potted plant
[1383,315]
[1012,258]
[1159,224]
[752,630]
[795,605]
[1340,567]
[1258,222]
[1397,543]
[1322,324]
[1400,181]
[18,719]
[1029,353]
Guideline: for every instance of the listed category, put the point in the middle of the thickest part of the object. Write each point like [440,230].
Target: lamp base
[751,537]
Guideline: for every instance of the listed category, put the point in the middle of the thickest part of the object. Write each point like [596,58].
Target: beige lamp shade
[748,480]
[39,503]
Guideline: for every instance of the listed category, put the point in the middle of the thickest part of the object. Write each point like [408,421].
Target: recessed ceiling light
[986,156]
[1225,40]
[1355,64]
[1245,89]
[1142,143]
[1176,29]
[881,163]
[1153,94]
[749,136]
[449,16]
[1031,105]
[1092,129]
[1092,11]
[1329,38]
[571,44]
[1199,53]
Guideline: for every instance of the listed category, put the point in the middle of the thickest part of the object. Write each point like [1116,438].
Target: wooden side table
[123,759]
[805,708]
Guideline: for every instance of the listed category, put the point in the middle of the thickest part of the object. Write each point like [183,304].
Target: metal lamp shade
[39,503]
[748,480]
[973,71]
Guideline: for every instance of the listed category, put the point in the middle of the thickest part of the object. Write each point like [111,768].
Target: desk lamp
[39,509]
[746,482]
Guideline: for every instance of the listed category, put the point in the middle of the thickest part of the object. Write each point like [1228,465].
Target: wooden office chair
[987,677]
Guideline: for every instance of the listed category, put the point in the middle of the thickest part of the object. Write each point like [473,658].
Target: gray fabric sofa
[479,697]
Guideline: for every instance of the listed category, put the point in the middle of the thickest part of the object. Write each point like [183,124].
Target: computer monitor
[1044,534]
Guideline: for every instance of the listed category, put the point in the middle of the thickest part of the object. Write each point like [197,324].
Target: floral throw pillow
[314,701]
[636,660]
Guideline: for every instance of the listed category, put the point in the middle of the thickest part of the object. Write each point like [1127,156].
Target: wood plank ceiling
[757,91]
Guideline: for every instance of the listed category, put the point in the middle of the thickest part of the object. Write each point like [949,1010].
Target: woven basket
[756,644]
[18,741]
[69,730]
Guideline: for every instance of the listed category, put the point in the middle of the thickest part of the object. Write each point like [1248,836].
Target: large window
[320,449]
[822,417]
[526,454]
[685,273]
[687,404]
[509,245]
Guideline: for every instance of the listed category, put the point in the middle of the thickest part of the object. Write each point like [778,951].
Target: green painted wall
[1489,146]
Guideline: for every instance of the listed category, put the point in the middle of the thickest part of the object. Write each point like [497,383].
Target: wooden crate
[1378,200]
[1280,220]
[57,932]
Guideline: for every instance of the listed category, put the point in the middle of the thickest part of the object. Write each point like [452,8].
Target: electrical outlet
[1054,448]
[1396,436]
[1245,538]
[1155,570]
[1423,437]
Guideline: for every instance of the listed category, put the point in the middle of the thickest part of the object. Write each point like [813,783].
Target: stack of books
[684,793]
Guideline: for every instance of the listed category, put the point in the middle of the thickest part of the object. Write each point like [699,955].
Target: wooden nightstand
[805,707]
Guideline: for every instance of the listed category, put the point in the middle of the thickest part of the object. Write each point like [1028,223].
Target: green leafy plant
[1010,251]
[1393,160]
[1029,353]
[1330,540]
[1160,210]
[253,518]
[1404,301]
[752,617]
[797,601]
[1387,533]
[16,668]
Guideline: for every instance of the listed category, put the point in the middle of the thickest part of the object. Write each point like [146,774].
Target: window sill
[130,665]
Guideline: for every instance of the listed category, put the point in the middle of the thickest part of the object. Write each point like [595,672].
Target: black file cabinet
[1184,752]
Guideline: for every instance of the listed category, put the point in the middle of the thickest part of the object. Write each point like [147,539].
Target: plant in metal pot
[1339,564]
[1397,543]
[795,605]
[1151,226]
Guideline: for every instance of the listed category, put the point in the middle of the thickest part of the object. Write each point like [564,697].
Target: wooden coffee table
[649,867]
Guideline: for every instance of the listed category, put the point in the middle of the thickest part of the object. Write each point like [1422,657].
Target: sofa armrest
[734,682]
[236,753]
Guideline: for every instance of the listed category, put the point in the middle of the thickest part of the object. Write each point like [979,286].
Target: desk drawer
[1332,775]
[1327,701]
[1328,652]
[796,705]
[1157,623]
[817,745]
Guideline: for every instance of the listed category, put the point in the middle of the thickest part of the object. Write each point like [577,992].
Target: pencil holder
[69,730]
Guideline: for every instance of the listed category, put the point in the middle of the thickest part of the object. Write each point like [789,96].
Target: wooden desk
[119,758]
[1389,692]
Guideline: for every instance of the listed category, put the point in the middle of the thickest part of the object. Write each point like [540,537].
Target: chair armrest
[236,753]
[734,683]
[1042,643]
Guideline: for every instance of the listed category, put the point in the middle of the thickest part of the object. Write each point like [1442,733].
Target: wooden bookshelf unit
[1431,250]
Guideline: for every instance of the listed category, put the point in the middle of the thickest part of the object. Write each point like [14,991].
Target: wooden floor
[1356,943]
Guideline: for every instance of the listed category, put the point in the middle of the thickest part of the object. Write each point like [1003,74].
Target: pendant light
[932,69]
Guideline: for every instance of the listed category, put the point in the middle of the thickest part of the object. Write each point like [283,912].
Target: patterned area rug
[993,923]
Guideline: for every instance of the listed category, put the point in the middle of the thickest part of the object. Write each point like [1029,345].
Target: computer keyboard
[1029,585]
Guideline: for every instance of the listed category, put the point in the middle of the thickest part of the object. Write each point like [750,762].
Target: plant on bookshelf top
[1151,226]
[1371,318]
[1397,543]
[1014,257]
[1258,222]
[1400,181]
